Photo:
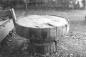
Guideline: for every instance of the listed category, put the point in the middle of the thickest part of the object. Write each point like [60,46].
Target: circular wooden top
[41,21]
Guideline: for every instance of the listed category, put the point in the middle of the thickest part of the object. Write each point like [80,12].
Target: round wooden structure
[42,27]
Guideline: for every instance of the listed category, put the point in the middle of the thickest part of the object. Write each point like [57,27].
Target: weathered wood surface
[5,27]
[41,27]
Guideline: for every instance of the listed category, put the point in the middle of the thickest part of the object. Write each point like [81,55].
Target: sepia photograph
[42,28]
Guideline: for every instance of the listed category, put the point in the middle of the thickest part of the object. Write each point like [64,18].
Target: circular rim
[62,22]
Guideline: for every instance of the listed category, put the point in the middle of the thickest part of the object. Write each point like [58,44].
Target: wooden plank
[5,29]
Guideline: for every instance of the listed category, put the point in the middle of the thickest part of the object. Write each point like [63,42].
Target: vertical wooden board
[35,33]
[44,34]
[52,33]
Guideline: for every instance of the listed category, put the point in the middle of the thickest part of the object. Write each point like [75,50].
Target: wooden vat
[44,27]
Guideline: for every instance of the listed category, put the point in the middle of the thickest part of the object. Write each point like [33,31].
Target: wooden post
[13,15]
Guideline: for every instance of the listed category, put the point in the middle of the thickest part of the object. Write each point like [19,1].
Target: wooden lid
[41,21]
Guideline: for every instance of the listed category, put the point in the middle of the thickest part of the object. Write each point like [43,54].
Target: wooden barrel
[42,27]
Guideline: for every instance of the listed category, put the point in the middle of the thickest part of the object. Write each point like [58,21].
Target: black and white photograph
[42,28]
